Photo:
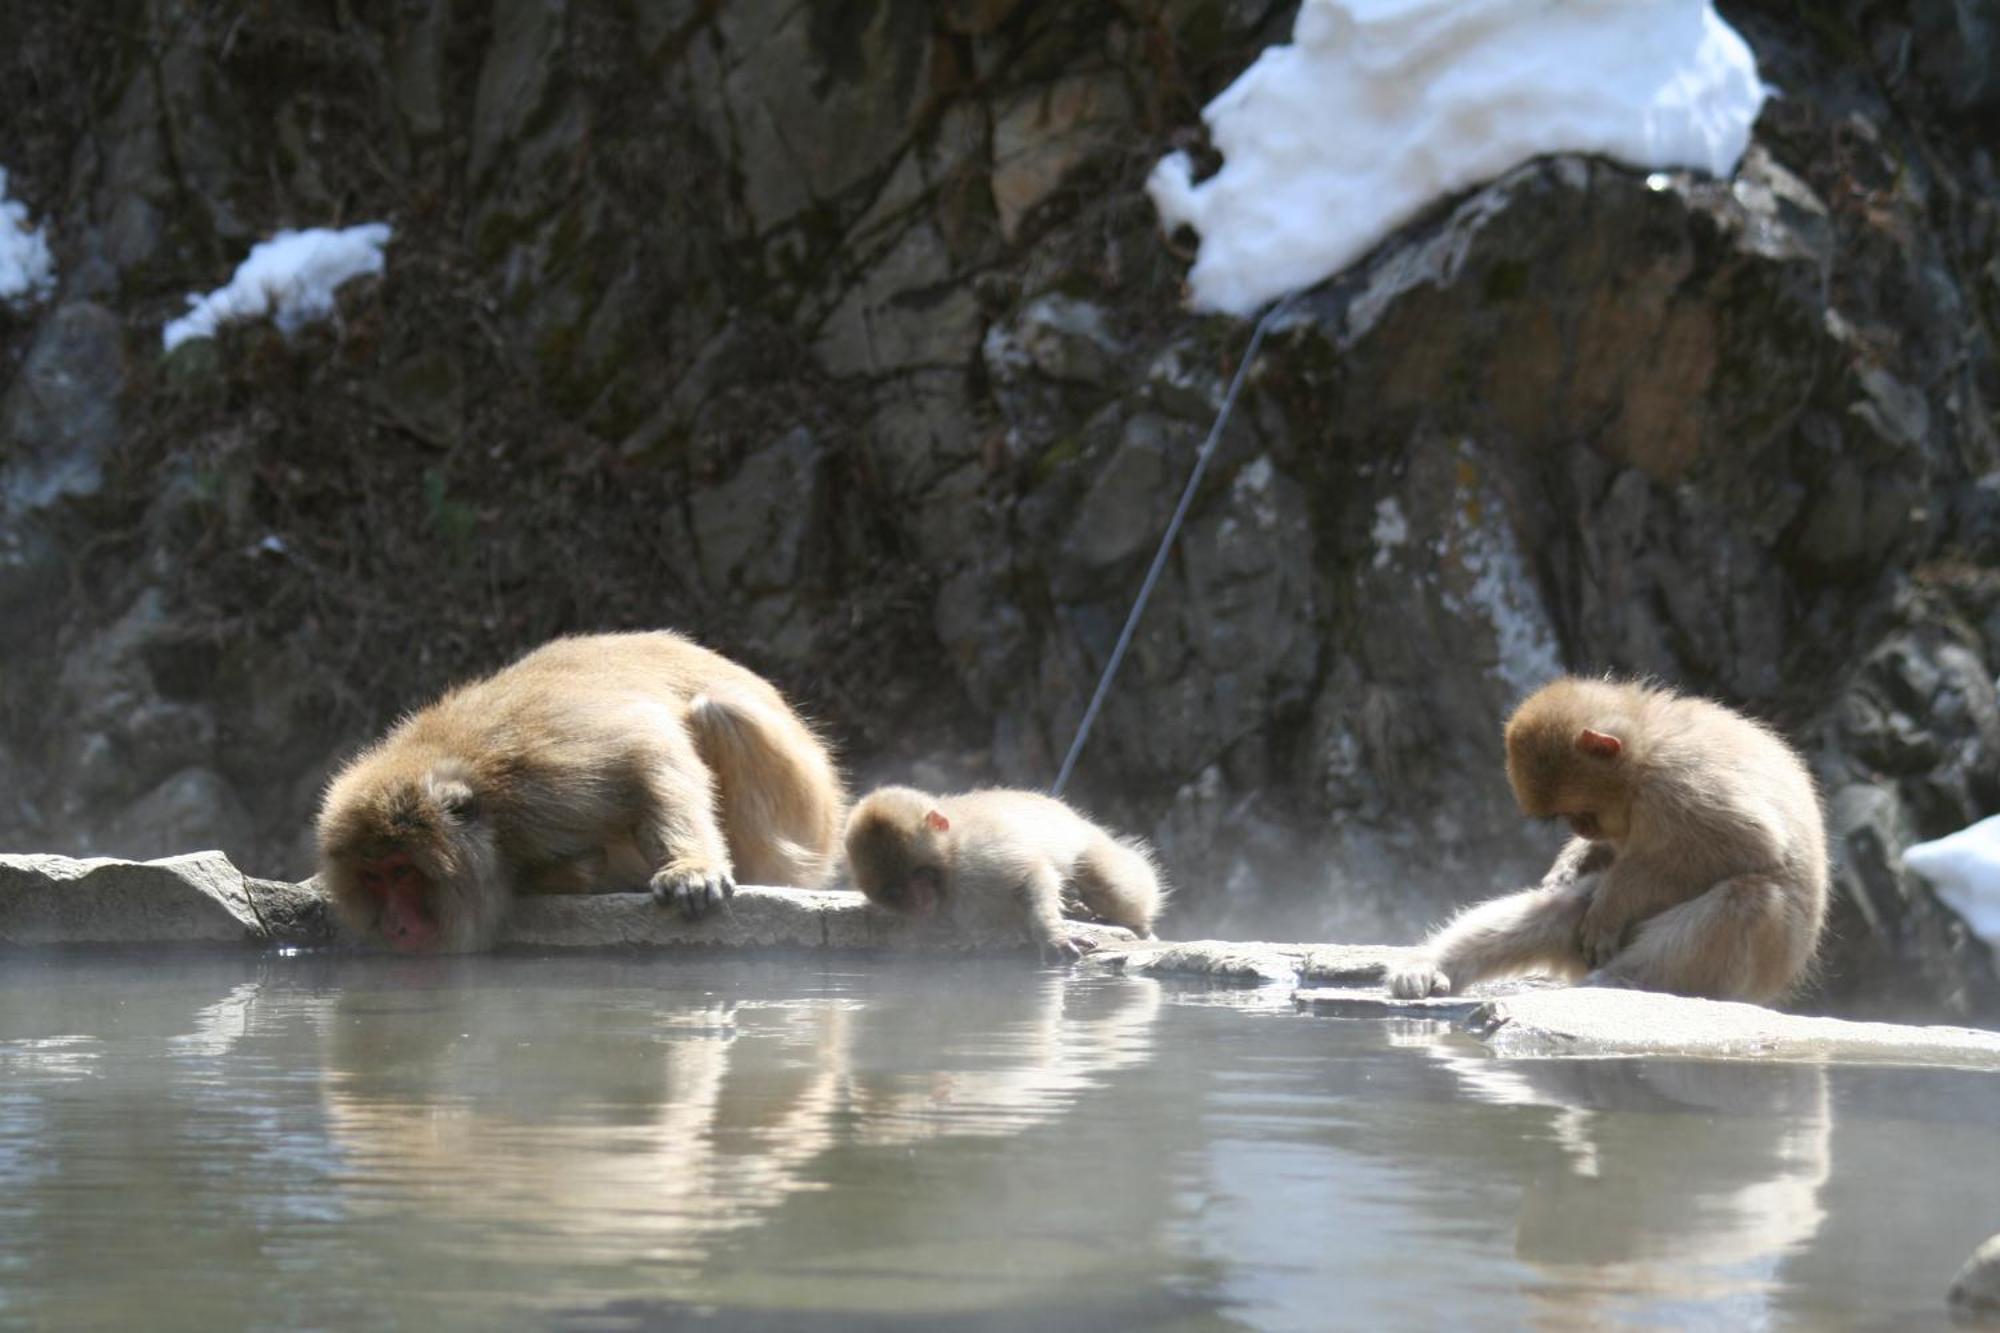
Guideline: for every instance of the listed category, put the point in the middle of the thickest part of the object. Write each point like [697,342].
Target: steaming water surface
[604,1144]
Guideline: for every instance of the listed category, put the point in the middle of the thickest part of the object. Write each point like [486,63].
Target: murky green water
[602,1144]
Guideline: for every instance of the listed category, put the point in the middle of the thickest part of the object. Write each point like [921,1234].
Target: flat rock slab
[1587,1021]
[1371,1001]
[55,901]
[195,899]
[1211,960]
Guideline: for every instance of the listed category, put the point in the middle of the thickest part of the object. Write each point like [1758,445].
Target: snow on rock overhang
[1379,107]
[291,278]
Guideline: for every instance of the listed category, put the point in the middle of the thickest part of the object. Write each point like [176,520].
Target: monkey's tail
[1118,880]
[779,794]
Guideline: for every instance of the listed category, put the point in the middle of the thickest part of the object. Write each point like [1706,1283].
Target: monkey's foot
[693,889]
[1418,981]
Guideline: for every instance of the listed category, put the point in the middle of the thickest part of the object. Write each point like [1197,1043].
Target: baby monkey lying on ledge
[1698,867]
[998,858]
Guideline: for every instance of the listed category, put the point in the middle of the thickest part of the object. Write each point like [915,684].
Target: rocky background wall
[842,336]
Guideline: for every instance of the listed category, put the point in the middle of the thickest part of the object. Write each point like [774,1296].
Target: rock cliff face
[841,336]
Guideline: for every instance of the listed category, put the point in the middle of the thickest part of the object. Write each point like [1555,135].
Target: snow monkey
[1699,861]
[997,857]
[594,763]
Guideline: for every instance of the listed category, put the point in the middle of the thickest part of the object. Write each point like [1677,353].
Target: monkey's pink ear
[937,821]
[1598,745]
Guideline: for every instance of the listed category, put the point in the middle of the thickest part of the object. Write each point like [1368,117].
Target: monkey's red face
[401,893]
[922,889]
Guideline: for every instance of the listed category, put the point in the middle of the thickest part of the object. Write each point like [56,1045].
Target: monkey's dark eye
[462,806]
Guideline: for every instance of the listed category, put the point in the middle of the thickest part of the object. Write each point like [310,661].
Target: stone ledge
[1546,1021]
[55,901]
[757,917]
[199,898]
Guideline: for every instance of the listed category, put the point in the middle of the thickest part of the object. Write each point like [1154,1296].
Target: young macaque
[1699,861]
[595,763]
[994,858]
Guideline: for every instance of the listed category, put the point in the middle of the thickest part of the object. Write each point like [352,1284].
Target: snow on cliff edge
[1379,107]
[291,277]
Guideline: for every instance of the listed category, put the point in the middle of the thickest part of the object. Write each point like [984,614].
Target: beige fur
[1699,866]
[594,763]
[999,857]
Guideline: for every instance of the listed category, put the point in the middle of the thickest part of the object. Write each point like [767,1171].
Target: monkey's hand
[692,887]
[1601,934]
[1065,948]
[1415,981]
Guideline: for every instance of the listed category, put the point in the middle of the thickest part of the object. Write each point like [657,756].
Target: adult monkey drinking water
[601,762]
[1698,866]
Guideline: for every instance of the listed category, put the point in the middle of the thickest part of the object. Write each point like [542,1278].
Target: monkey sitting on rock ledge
[1698,867]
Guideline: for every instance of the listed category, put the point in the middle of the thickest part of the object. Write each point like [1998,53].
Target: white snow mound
[27,269]
[1379,107]
[291,277]
[1964,869]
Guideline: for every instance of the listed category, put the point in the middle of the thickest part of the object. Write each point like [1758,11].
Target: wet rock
[292,915]
[60,421]
[1351,964]
[1211,960]
[756,918]
[1975,1291]
[199,898]
[1535,1020]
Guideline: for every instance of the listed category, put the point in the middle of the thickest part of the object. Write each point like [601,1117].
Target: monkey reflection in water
[1699,862]
[713,1120]
[1659,1180]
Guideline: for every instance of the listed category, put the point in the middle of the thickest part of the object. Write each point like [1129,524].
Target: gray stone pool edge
[202,899]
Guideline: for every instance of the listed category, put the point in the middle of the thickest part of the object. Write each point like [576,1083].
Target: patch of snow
[27,269]
[1390,531]
[291,278]
[1964,869]
[1379,107]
